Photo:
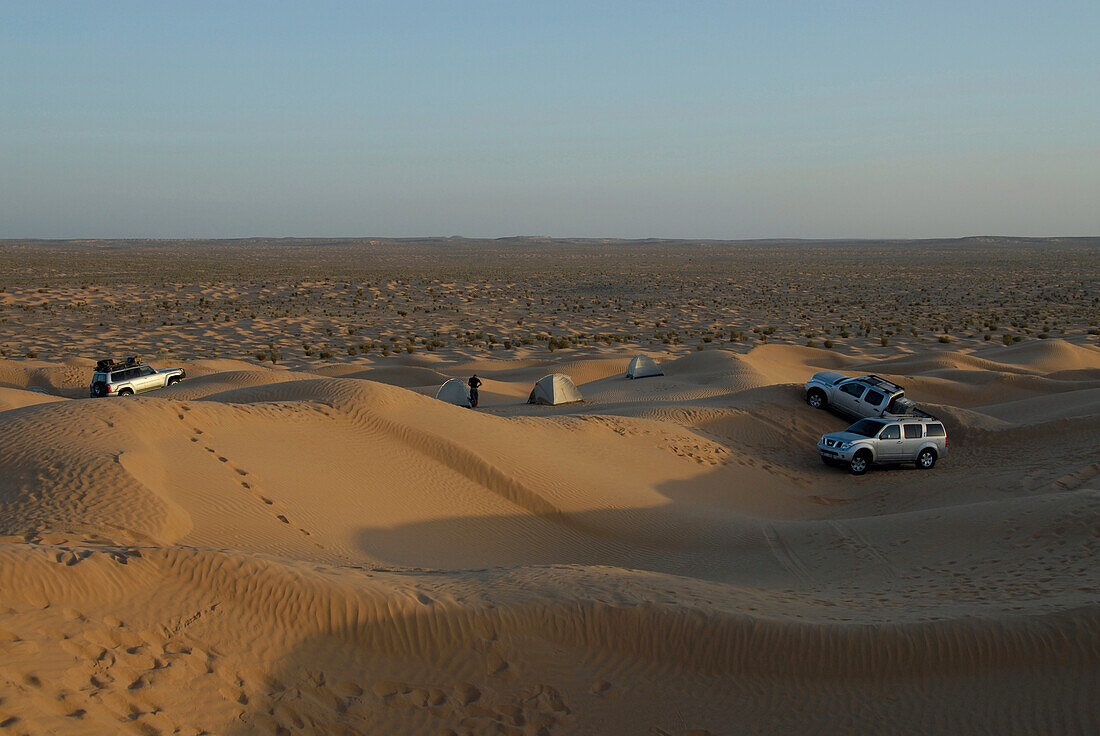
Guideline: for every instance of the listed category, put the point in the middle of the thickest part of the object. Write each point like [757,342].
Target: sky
[635,119]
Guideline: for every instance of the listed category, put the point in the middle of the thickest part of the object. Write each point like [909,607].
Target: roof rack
[911,414]
[880,383]
[110,364]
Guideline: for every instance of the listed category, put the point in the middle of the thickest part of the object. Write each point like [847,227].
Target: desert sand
[316,545]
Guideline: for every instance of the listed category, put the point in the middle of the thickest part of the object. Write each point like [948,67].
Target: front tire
[816,398]
[173,380]
[860,463]
[926,459]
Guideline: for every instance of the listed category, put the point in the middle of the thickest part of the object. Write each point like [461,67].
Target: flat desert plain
[300,539]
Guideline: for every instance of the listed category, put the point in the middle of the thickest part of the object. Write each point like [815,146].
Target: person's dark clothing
[474,382]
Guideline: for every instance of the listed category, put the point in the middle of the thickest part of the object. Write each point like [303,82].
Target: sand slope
[267,551]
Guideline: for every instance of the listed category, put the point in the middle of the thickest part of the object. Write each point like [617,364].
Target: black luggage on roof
[110,364]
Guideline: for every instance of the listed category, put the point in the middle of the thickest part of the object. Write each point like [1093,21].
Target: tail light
[108,387]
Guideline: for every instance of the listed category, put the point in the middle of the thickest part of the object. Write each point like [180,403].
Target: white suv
[892,439]
[113,378]
[864,396]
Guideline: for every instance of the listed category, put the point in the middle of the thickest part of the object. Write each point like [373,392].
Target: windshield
[866,427]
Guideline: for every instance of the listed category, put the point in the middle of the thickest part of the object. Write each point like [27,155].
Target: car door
[847,398]
[912,437]
[889,446]
[146,378]
[872,403]
[121,379]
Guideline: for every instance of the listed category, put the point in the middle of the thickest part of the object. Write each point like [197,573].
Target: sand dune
[257,550]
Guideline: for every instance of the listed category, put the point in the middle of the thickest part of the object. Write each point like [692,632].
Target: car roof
[907,418]
[879,383]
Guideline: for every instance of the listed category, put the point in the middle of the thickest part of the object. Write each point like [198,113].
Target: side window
[146,370]
[935,430]
[913,432]
[130,374]
[874,398]
[853,389]
[893,432]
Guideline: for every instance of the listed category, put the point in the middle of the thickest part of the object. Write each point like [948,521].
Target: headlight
[845,445]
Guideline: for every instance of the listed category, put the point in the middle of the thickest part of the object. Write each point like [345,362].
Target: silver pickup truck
[864,396]
[113,378]
[893,439]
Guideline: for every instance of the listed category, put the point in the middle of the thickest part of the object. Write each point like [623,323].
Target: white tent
[554,389]
[454,391]
[643,366]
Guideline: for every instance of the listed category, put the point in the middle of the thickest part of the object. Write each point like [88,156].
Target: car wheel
[861,463]
[173,380]
[926,460]
[816,399]
[126,392]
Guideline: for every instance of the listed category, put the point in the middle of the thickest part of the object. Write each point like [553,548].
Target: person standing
[474,383]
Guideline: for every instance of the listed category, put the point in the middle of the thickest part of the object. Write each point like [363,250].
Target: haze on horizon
[611,119]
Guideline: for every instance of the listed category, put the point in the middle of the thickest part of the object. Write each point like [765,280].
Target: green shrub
[828,344]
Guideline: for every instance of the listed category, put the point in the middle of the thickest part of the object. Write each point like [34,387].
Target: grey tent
[454,391]
[554,389]
[643,366]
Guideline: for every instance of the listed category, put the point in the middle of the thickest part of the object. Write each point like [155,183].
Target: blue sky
[484,119]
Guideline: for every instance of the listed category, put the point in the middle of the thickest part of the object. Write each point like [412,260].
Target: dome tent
[554,389]
[454,391]
[643,366]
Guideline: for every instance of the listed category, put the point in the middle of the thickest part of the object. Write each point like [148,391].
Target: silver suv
[892,439]
[113,378]
[865,396]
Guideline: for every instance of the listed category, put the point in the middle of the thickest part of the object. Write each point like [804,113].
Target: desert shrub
[410,349]
[944,338]
[325,354]
[828,344]
[386,351]
[32,353]
[351,350]
[261,355]
[1044,335]
[884,341]
[811,344]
